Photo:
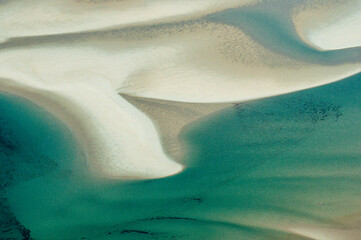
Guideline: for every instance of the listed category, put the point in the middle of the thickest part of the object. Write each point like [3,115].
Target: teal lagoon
[253,169]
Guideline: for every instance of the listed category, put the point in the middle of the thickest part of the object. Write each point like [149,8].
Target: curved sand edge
[114,150]
[327,233]
[331,27]
[78,77]
[120,141]
[170,117]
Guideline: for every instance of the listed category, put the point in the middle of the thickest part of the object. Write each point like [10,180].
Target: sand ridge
[82,78]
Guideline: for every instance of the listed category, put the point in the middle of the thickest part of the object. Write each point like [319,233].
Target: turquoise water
[34,147]
[253,167]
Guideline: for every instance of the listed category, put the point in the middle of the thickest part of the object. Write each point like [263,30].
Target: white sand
[170,117]
[343,228]
[120,141]
[78,78]
[328,233]
[43,17]
[331,25]
[218,63]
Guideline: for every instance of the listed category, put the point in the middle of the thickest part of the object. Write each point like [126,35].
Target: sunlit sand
[128,77]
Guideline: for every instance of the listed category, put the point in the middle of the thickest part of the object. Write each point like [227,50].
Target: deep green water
[252,167]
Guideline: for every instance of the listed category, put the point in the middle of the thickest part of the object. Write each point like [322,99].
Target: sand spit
[328,233]
[329,25]
[132,151]
[79,77]
[170,117]
[343,228]
[195,62]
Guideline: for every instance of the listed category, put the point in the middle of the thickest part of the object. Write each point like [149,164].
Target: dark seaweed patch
[130,228]
[7,145]
[169,218]
[10,227]
[238,108]
[193,199]
[136,231]
[16,165]
[321,111]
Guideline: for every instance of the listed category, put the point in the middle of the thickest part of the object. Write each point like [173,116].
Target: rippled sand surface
[180,119]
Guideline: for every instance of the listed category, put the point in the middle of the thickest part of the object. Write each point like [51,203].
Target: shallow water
[270,24]
[34,146]
[253,167]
